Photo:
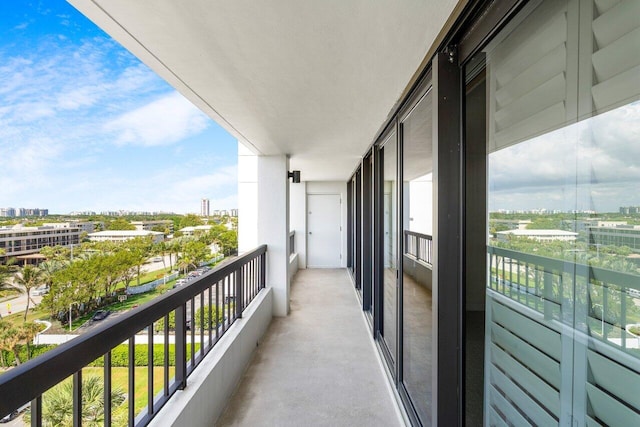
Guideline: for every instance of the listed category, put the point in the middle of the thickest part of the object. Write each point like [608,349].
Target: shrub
[215,314]
[120,355]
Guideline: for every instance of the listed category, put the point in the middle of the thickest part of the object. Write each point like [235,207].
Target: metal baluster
[77,399]
[605,301]
[132,381]
[150,349]
[192,318]
[36,412]
[202,324]
[181,347]
[166,354]
[107,389]
[623,317]
[211,321]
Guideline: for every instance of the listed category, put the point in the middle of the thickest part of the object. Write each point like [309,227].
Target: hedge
[35,350]
[120,355]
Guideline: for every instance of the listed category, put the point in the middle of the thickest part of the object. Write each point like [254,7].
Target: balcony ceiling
[313,79]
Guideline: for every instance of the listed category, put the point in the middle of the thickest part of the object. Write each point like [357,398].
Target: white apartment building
[18,240]
[124,235]
[539,235]
[149,225]
[204,207]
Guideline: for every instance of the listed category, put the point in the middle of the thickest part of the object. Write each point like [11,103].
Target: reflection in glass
[564,215]
[389,237]
[417,226]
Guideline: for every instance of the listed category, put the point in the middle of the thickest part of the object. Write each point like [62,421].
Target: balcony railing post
[77,399]
[107,388]
[36,412]
[181,347]
[263,270]
[238,291]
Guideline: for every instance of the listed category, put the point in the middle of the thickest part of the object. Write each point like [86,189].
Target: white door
[324,243]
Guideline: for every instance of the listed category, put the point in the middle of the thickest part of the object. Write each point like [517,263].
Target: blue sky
[84,125]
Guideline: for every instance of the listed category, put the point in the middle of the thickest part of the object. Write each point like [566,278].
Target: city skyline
[87,127]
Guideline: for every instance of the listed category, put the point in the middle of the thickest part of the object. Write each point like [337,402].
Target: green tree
[139,248]
[28,278]
[120,224]
[9,339]
[190,220]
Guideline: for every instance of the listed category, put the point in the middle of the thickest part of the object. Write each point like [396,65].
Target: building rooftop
[529,233]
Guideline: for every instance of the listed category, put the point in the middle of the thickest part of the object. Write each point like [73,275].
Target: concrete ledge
[293,265]
[419,271]
[211,385]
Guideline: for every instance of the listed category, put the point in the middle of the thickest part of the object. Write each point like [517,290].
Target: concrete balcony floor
[316,367]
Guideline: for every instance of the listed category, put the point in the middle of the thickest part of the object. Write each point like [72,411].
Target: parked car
[100,315]
[42,290]
[9,417]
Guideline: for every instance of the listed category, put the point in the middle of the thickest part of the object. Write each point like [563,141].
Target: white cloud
[67,111]
[594,164]
[160,122]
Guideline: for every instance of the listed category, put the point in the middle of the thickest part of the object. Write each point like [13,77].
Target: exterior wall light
[295,175]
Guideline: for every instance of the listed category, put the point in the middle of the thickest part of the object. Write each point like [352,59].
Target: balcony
[308,368]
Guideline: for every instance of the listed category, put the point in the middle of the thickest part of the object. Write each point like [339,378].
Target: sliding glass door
[417,300]
[388,195]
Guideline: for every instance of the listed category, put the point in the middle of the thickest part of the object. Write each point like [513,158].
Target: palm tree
[29,278]
[57,403]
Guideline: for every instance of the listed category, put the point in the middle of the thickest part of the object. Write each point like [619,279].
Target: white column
[273,226]
[247,199]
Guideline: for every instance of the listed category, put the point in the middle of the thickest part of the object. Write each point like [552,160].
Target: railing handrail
[420,235]
[32,378]
[627,280]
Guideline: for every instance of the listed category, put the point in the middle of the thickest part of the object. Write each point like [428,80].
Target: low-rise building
[19,240]
[190,231]
[539,235]
[124,235]
[621,235]
[149,225]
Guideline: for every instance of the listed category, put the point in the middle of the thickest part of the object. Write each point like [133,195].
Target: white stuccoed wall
[247,199]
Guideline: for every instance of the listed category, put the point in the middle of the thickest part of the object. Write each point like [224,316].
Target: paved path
[316,367]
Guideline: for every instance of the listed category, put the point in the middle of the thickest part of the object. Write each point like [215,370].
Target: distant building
[18,240]
[84,226]
[11,212]
[539,235]
[234,212]
[190,231]
[582,225]
[629,210]
[149,225]
[204,207]
[124,235]
[621,235]
[8,212]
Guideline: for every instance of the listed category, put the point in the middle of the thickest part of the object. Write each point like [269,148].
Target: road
[19,303]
